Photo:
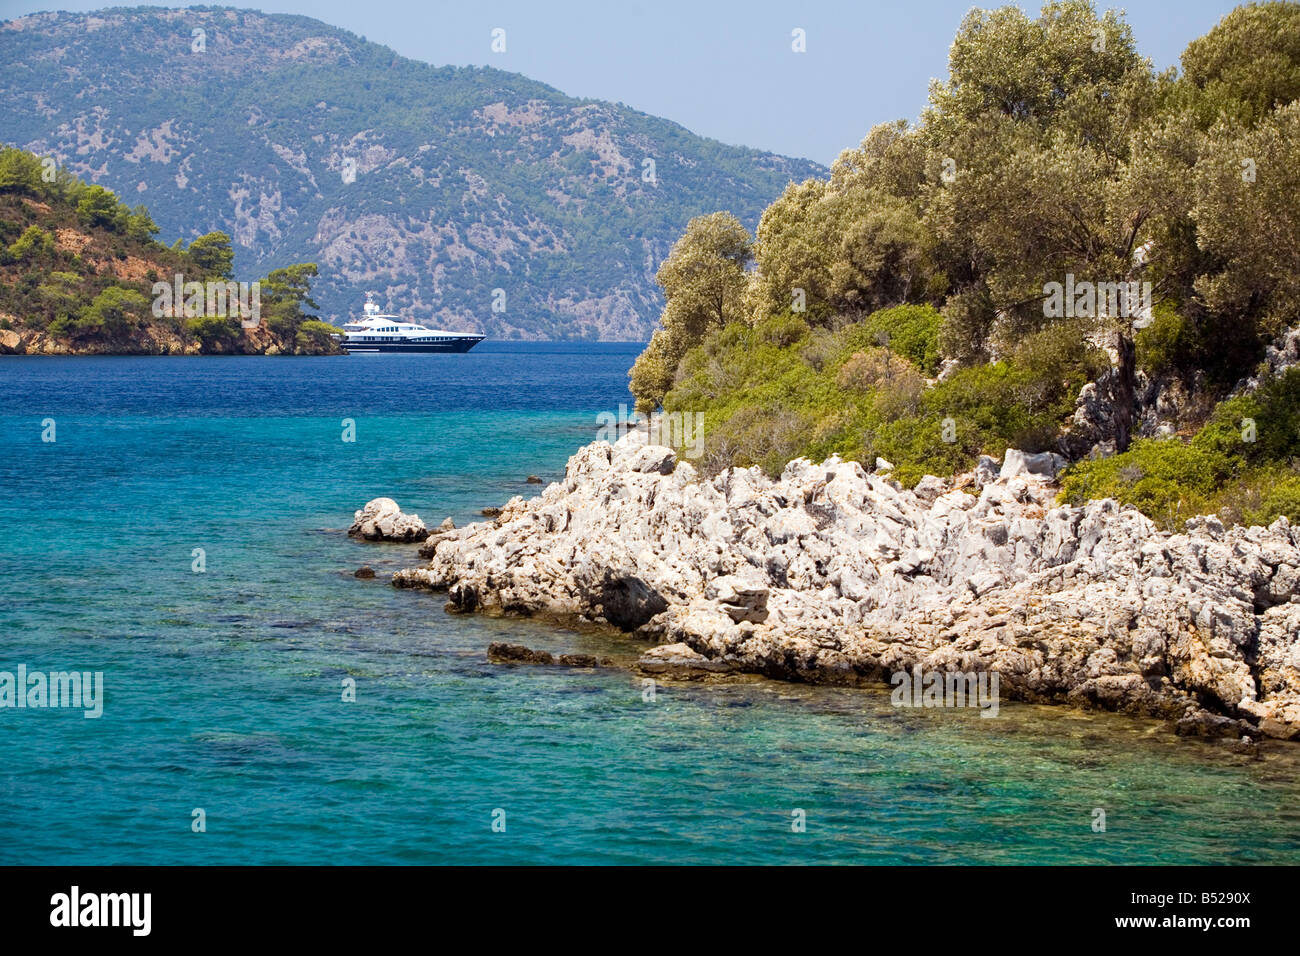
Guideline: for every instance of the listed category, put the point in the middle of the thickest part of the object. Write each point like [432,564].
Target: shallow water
[223,688]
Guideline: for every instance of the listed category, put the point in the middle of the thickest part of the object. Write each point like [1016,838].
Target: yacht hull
[463,345]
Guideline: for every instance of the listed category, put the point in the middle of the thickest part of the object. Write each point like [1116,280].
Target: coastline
[831,575]
[38,344]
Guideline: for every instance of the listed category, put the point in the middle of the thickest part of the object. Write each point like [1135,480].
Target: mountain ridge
[434,186]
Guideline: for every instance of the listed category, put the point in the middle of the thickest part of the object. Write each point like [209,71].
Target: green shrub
[911,331]
[110,314]
[34,243]
[214,332]
[1237,465]
[313,335]
[1054,363]
[1168,344]
[783,330]
[20,171]
[1282,499]
[1217,350]
[822,348]
[1167,480]
[1275,409]
[850,395]
[755,436]
[97,206]
[865,371]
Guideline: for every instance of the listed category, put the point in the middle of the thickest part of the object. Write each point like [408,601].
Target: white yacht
[379,332]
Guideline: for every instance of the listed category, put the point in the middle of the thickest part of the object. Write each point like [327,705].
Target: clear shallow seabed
[223,689]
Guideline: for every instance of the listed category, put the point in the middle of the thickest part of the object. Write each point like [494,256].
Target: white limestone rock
[382,520]
[833,574]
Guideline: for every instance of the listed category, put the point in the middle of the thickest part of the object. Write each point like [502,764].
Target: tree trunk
[1125,391]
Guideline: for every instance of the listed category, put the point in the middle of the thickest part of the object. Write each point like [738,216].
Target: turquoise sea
[223,688]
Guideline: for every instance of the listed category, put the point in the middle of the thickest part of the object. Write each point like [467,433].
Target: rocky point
[834,574]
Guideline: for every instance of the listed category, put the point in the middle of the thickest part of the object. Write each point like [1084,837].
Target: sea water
[184,535]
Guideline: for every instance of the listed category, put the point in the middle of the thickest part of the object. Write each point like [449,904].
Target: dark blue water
[223,688]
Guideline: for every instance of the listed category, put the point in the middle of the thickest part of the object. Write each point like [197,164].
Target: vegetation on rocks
[1241,465]
[780,389]
[904,307]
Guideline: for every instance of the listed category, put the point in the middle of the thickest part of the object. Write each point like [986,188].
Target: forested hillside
[79,268]
[432,186]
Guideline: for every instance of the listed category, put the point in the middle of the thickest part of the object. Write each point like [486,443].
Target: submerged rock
[502,653]
[516,653]
[679,661]
[1202,723]
[833,574]
[382,520]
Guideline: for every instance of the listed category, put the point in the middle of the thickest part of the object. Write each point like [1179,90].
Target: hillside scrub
[77,270]
[1244,464]
[780,388]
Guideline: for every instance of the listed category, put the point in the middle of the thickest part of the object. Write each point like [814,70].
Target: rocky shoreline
[151,339]
[830,574]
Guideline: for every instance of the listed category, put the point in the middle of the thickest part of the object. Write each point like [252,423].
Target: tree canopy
[704,284]
[1052,157]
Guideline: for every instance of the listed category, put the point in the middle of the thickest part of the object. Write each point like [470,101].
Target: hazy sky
[721,69]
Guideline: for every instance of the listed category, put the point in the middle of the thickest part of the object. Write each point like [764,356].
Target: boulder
[987,469]
[652,459]
[446,529]
[929,488]
[382,520]
[741,600]
[1045,464]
